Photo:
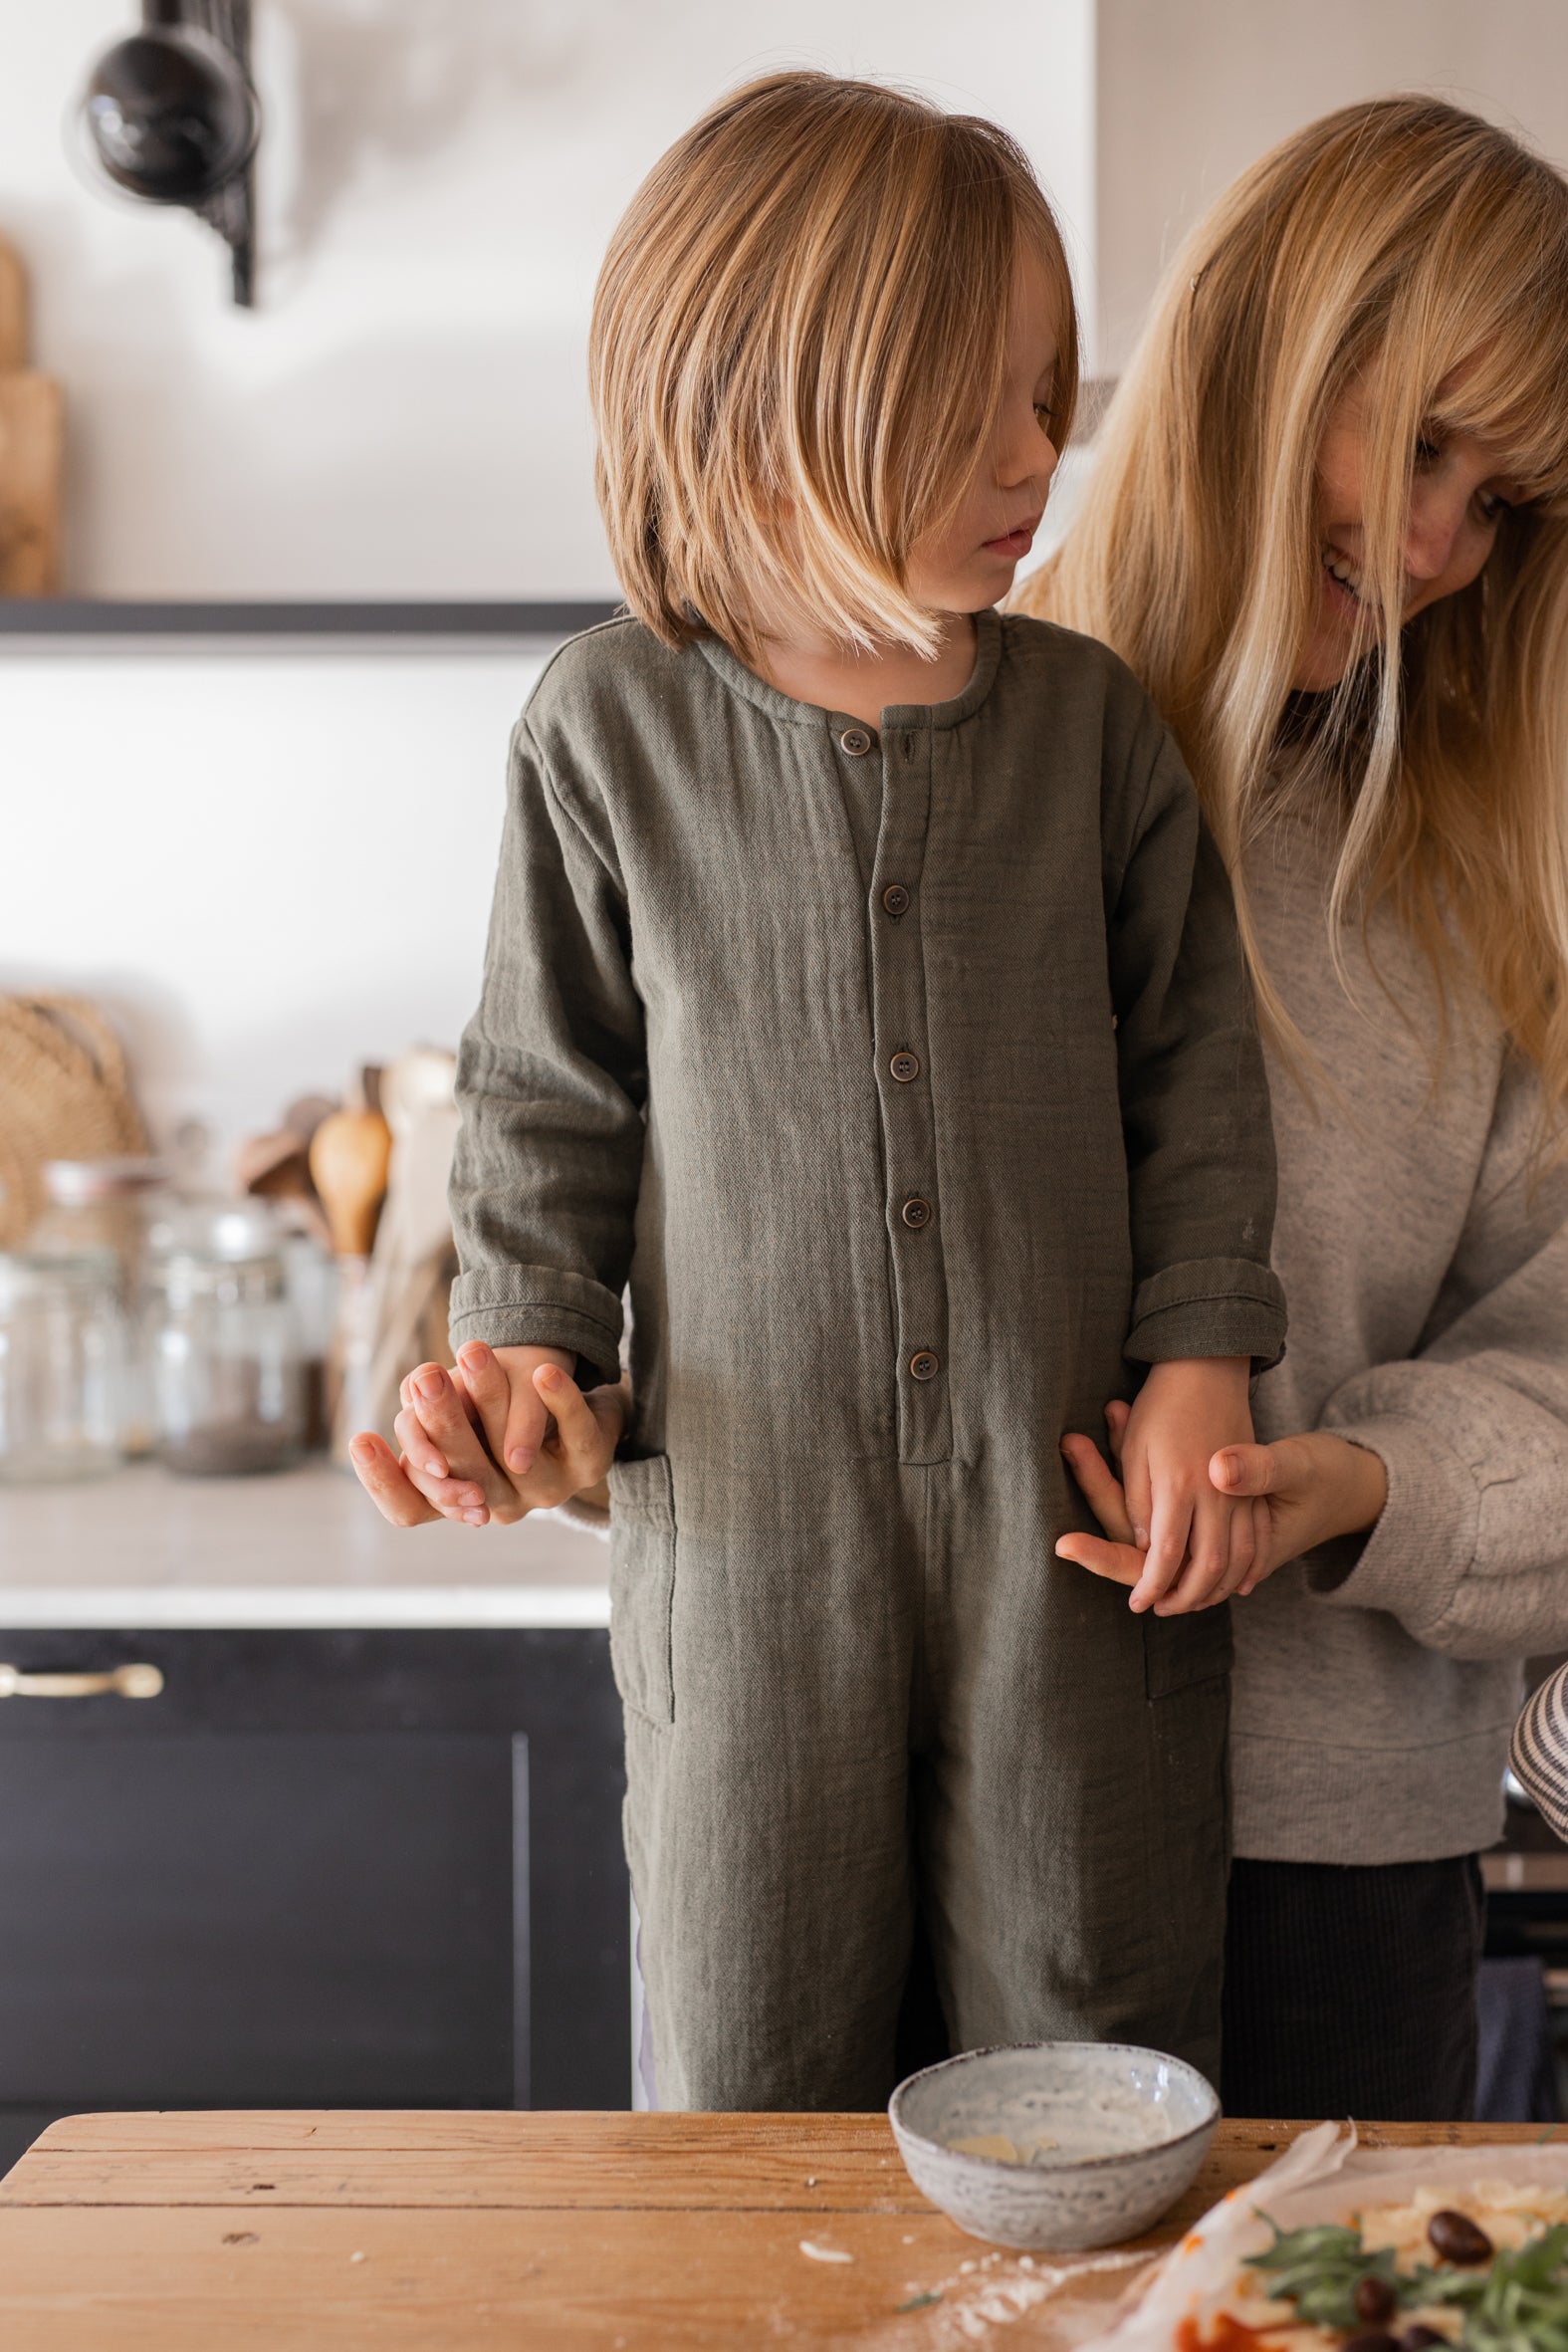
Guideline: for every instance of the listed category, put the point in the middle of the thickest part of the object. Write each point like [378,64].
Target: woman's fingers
[482,1382]
[386,1483]
[1116,1561]
[1116,1416]
[1100,1486]
[1244,1469]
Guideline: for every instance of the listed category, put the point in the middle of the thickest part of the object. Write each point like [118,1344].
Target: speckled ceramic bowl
[1131,2127]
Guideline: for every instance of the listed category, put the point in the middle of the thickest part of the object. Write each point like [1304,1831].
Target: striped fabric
[1540,1749]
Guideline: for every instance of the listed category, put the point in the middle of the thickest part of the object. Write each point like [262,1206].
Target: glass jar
[63,1358]
[227,1372]
[96,1205]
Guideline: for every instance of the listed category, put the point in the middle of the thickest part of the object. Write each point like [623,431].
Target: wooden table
[334,2232]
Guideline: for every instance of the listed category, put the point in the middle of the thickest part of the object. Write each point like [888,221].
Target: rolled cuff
[1423,1543]
[1209,1306]
[539,1307]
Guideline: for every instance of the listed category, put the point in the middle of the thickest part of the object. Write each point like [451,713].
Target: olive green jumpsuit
[911,1078]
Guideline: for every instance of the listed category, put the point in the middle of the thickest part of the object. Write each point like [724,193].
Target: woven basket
[64,1096]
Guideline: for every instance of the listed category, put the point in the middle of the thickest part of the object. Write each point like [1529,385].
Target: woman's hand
[453,1430]
[1303,1489]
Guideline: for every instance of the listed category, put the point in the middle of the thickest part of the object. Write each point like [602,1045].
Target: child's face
[969,564]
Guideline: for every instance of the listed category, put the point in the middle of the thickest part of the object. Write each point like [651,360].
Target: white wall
[1188,94]
[404,416]
[269,868]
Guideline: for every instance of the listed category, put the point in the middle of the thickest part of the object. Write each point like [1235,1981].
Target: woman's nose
[1437,514]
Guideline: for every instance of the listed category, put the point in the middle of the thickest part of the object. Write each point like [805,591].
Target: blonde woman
[1328,528]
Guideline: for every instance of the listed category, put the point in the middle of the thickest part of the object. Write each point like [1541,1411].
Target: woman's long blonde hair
[798,351]
[1413,245]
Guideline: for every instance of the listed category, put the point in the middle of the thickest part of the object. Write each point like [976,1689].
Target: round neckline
[936,715]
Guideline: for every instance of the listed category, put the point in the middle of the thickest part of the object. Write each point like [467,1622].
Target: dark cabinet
[318,1869]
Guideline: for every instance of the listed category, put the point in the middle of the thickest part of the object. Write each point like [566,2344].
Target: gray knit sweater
[1426,1276]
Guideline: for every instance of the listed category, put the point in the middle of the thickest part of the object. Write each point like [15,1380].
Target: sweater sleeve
[1470,1552]
[1193,1096]
[551,1084]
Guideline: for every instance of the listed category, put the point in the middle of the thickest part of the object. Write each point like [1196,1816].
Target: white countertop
[304,1547]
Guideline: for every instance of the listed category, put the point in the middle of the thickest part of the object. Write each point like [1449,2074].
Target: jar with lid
[227,1376]
[97,1204]
[63,1358]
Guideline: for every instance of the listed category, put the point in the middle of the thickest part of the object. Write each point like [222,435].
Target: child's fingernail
[552,1377]
[1141,1538]
[471,1357]
[435,1467]
[429,1387]
[474,1518]
[520,1458]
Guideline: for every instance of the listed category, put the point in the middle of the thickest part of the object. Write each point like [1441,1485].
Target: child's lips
[1014,544]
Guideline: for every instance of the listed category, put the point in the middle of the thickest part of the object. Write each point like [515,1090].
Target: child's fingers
[1262,1548]
[1100,1486]
[1219,1559]
[446,1442]
[454,1497]
[1118,1562]
[388,1484]
[1205,1569]
[1169,1522]
[1136,1486]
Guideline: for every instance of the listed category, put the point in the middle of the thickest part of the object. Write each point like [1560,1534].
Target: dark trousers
[1351,1990]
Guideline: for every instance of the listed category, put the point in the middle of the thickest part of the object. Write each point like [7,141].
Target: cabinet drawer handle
[130,1682]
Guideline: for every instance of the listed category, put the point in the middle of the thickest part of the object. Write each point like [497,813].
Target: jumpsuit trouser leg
[782,1649]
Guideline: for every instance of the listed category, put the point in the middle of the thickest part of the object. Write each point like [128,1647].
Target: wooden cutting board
[32,438]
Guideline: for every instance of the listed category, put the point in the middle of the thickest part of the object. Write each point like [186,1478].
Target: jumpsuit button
[905,1066]
[916,1212]
[855,741]
[923,1366]
[896,899]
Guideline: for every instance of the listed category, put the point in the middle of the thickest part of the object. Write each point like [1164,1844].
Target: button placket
[898,983]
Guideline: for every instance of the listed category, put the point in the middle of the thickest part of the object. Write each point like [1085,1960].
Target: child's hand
[1188,1410]
[515,1404]
[1197,1540]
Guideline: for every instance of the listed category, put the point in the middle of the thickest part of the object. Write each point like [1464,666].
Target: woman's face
[1458,494]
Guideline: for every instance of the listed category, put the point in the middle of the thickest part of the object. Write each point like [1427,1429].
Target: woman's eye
[1427,451]
[1043,412]
[1492,508]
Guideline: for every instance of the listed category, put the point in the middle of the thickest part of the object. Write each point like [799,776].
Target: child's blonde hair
[797,356]
[1408,241]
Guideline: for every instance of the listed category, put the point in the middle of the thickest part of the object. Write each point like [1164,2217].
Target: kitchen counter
[457,2233]
[302,1548]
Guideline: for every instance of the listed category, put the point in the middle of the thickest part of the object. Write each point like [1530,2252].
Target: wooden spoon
[350,1154]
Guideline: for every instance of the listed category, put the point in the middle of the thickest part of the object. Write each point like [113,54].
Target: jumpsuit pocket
[642,1585]
[1180,1651]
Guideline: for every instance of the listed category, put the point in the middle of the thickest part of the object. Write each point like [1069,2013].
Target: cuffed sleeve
[1215,1307]
[1470,1552]
[550,1082]
[1194,1099]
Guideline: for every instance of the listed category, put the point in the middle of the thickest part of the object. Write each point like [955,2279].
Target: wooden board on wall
[32,438]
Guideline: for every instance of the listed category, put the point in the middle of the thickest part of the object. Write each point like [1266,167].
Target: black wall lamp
[173,117]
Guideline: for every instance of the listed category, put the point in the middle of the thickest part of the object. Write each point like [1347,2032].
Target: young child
[862,985]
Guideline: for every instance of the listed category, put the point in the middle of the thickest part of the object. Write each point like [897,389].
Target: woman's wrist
[1363,1485]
